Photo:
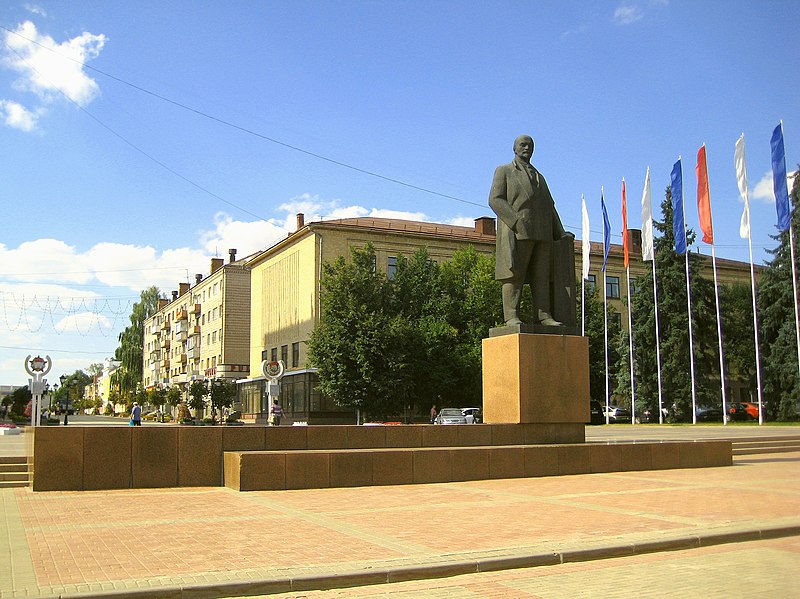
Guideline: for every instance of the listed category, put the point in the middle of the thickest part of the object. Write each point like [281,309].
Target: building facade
[203,331]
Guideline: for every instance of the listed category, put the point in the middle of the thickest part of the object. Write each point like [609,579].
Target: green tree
[673,330]
[222,393]
[130,350]
[473,305]
[595,332]
[197,396]
[356,342]
[174,396]
[19,400]
[775,296]
[736,305]
[157,396]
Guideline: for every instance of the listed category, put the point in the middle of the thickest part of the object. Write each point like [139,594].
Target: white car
[472,415]
[450,416]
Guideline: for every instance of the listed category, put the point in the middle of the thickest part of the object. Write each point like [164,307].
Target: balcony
[183,358]
[182,315]
[155,328]
[195,330]
[165,364]
[165,326]
[165,343]
[155,356]
[193,352]
[196,309]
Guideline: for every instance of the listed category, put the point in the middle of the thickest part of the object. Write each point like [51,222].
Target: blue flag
[779,178]
[606,231]
[678,222]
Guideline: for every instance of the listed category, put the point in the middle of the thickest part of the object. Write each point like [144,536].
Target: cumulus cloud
[245,237]
[15,115]
[48,68]
[764,190]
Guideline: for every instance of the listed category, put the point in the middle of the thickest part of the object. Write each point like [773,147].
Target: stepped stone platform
[78,458]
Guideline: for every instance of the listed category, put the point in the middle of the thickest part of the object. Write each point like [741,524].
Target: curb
[367,577]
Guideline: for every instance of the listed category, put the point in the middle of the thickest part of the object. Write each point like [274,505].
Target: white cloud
[83,323]
[49,69]
[764,190]
[37,10]
[626,14]
[17,116]
[245,237]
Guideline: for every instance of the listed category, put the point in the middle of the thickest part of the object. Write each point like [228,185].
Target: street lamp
[63,379]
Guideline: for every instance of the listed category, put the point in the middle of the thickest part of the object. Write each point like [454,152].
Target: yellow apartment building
[203,331]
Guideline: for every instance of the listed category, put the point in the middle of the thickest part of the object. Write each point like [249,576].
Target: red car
[751,409]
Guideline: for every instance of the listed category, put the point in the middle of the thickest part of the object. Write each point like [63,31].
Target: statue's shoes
[514,322]
[550,322]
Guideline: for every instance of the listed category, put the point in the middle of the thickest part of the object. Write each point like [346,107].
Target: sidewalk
[217,542]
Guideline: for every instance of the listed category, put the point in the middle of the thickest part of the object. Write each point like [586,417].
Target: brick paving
[159,541]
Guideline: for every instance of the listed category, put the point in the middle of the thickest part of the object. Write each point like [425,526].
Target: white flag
[585,243]
[647,220]
[741,179]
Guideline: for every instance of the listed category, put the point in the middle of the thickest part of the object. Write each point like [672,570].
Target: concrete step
[15,471]
[754,446]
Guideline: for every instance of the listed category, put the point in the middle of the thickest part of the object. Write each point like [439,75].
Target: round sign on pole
[272,370]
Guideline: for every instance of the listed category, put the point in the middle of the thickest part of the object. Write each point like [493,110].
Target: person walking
[433,413]
[136,414]
[277,413]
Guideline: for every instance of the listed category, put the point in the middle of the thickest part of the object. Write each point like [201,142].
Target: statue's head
[523,147]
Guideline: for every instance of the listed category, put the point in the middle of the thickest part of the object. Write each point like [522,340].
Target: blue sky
[137,143]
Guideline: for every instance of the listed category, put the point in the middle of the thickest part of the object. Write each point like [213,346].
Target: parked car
[709,414]
[472,415]
[450,416]
[738,411]
[751,409]
[617,414]
[596,415]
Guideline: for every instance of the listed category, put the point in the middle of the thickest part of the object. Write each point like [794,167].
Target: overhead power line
[233,126]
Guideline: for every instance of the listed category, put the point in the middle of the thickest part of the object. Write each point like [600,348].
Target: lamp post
[65,389]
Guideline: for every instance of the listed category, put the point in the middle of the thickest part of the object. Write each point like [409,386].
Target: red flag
[703,197]
[624,224]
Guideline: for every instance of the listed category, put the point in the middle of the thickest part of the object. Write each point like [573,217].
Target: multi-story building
[285,285]
[203,331]
[100,388]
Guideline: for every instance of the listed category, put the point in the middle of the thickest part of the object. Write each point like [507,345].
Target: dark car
[596,412]
[709,414]
[738,411]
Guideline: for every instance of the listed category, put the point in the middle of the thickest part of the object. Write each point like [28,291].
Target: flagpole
[630,344]
[755,329]
[583,307]
[704,212]
[658,346]
[719,336]
[625,242]
[740,163]
[605,341]
[794,286]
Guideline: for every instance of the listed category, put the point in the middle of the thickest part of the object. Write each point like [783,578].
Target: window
[216,290]
[208,339]
[214,337]
[391,268]
[285,354]
[612,287]
[295,355]
[263,355]
[591,284]
[203,319]
[274,354]
[633,287]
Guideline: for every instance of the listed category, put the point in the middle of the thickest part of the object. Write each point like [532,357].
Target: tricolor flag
[624,225]
[779,178]
[606,231]
[647,220]
[678,220]
[703,197]
[741,178]
[586,245]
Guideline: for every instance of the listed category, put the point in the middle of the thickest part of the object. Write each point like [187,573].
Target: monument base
[531,378]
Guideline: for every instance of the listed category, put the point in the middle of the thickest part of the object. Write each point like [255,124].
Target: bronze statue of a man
[527,226]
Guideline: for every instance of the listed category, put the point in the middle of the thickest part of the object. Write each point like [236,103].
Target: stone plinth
[535,379]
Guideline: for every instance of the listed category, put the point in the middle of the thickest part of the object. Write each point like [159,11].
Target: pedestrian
[277,413]
[433,413]
[136,415]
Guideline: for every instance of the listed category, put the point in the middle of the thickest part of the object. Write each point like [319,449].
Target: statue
[528,227]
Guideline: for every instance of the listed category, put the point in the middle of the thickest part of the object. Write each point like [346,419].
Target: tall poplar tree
[131,344]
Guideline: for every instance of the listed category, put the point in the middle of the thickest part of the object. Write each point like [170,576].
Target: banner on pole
[678,219]
[586,244]
[625,226]
[703,197]
[647,220]
[779,178]
[606,231]
[740,163]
